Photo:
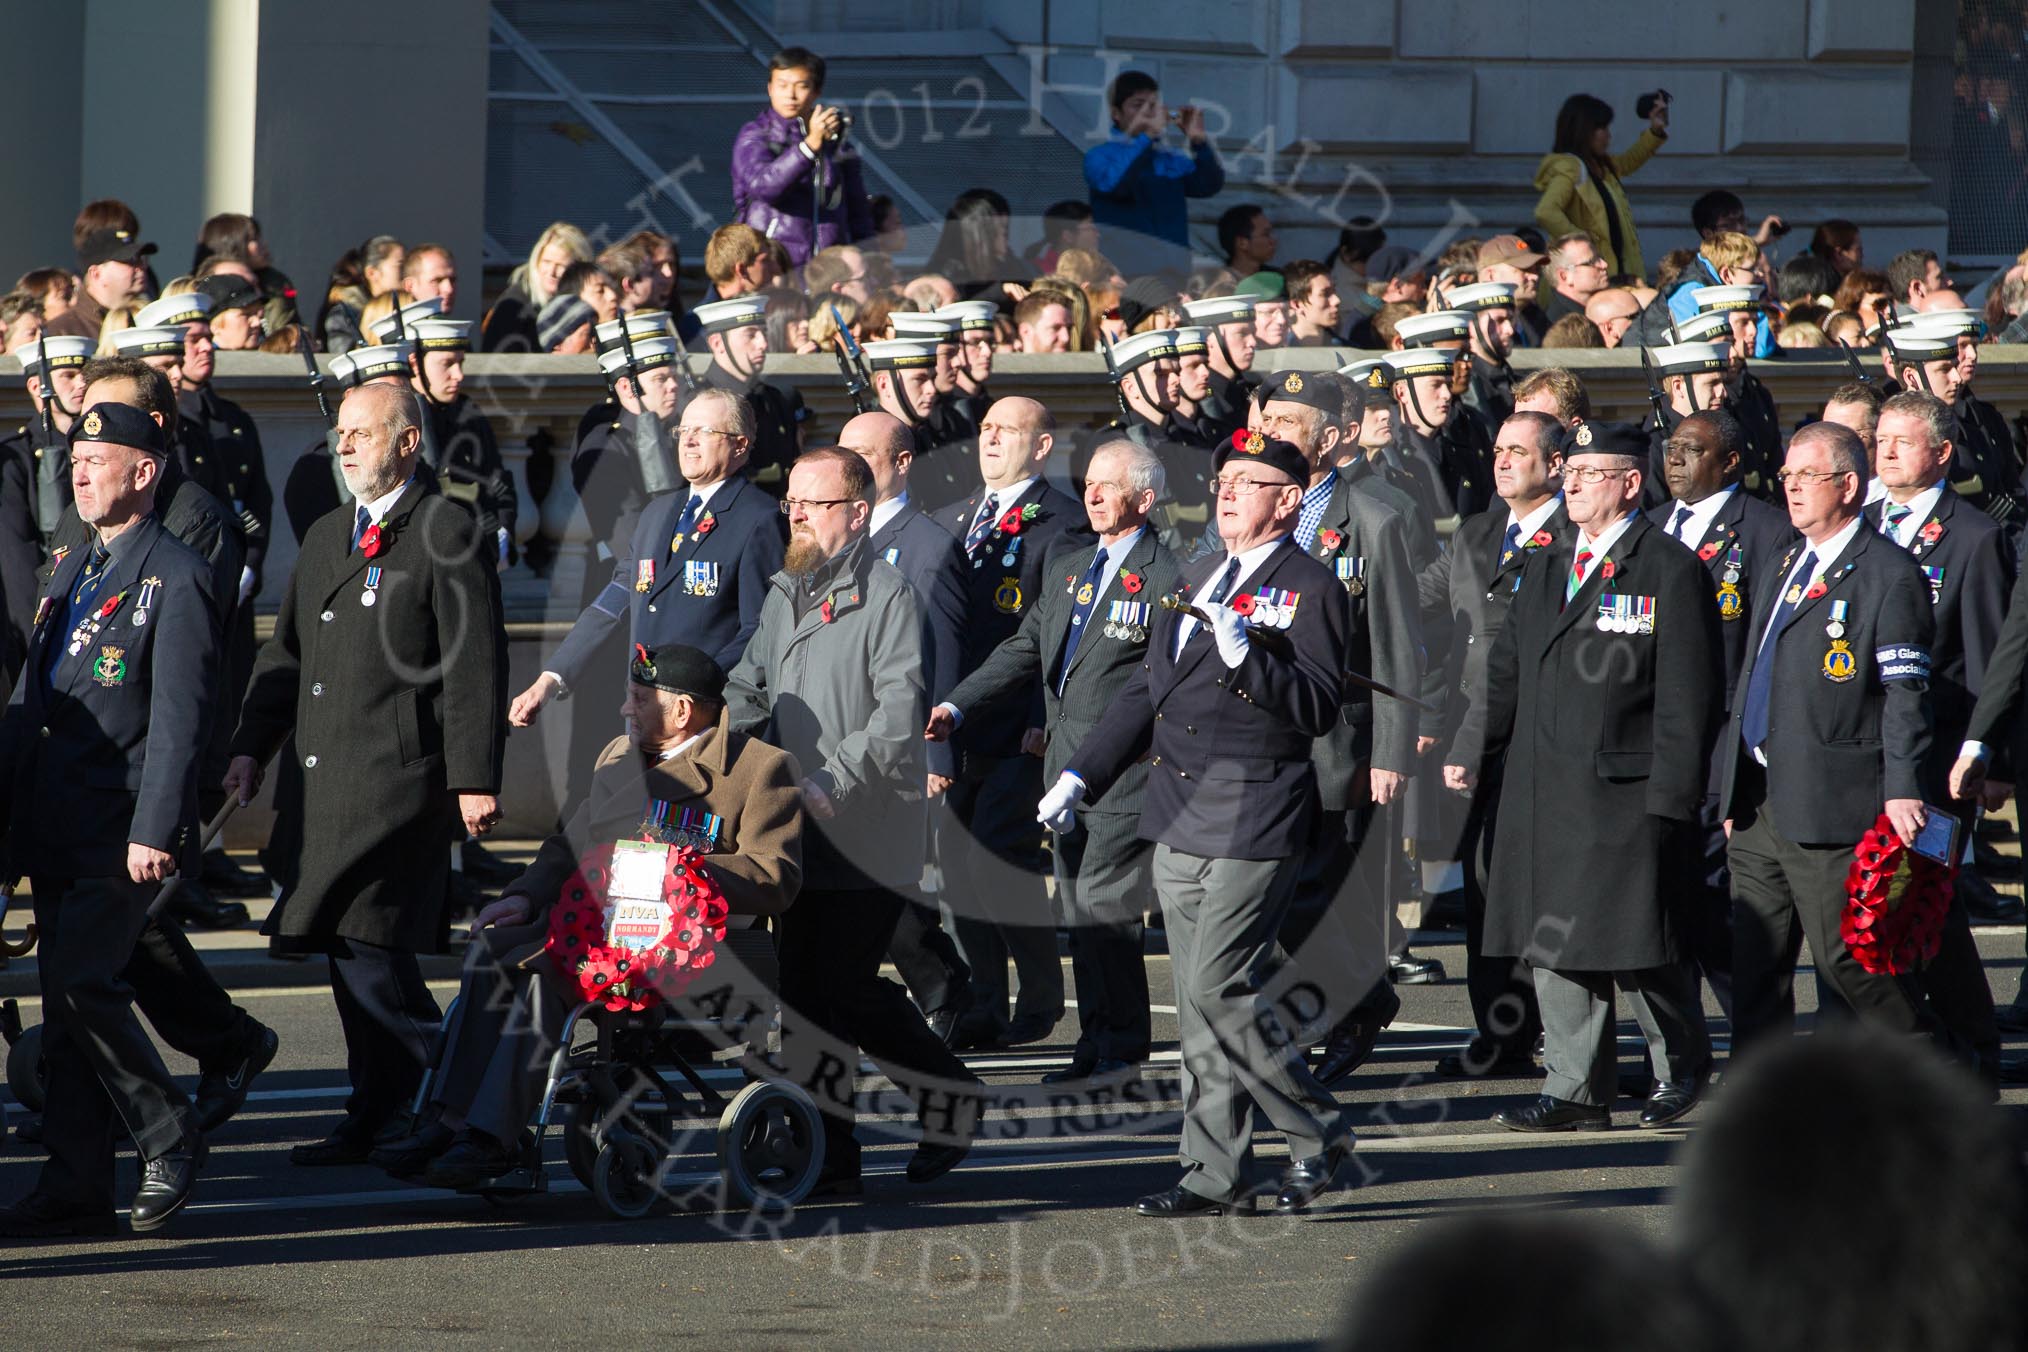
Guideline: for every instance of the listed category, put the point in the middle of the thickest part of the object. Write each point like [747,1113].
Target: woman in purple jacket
[794,177]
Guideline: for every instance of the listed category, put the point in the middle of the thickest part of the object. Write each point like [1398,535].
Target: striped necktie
[1576,581]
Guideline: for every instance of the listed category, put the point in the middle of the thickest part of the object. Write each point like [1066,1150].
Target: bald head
[884,442]
[1940,300]
[1015,437]
[1612,310]
[1023,413]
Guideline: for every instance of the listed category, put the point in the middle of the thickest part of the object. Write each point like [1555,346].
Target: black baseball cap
[106,246]
[229,291]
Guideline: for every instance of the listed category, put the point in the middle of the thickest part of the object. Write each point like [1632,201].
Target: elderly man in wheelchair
[680,778]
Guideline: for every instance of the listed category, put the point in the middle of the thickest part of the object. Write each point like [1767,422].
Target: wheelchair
[624,1122]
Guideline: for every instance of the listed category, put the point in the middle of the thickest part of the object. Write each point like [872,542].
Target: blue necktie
[688,518]
[982,526]
[1753,721]
[1216,597]
[1508,545]
[359,525]
[1682,519]
[1080,615]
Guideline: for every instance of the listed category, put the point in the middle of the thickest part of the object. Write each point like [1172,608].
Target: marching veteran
[681,776]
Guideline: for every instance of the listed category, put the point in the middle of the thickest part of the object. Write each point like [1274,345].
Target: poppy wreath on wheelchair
[623,948]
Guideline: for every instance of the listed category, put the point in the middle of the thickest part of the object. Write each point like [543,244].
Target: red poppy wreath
[617,975]
[1895,900]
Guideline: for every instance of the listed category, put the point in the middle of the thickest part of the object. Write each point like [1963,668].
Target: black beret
[1606,438]
[679,669]
[1266,450]
[1142,297]
[120,425]
[229,291]
[1298,388]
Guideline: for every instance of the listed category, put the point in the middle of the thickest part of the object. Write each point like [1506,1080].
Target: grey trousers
[497,1042]
[1580,1050]
[1222,917]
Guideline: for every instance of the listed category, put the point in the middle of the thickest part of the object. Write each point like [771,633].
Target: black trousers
[102,1069]
[990,848]
[391,1024]
[1956,984]
[835,1003]
[1502,990]
[1783,892]
[1339,928]
[927,957]
[1105,882]
[184,1001]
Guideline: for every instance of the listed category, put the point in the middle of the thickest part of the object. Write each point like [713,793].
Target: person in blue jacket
[1138,185]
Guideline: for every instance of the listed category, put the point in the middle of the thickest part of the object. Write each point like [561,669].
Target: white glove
[1058,808]
[246,584]
[1228,630]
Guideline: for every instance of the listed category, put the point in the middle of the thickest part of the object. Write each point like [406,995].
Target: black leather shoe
[472,1157]
[1985,906]
[2014,1070]
[839,1185]
[407,1157]
[39,1217]
[1351,1041]
[1180,1201]
[29,1132]
[1483,1058]
[166,1182]
[1026,1028]
[1080,1068]
[2011,1018]
[1637,1084]
[976,1033]
[484,867]
[222,876]
[192,905]
[339,1148]
[221,1093]
[1304,1180]
[1444,910]
[1409,970]
[1668,1103]
[1554,1114]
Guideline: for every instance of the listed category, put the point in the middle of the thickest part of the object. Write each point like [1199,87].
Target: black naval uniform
[1183,517]
[1223,411]
[1491,393]
[989,845]
[1230,803]
[20,552]
[1471,587]
[936,571]
[102,746]
[1746,537]
[1103,874]
[1969,564]
[1750,402]
[460,449]
[1453,470]
[1848,728]
[778,421]
[1985,471]
[947,461]
[242,468]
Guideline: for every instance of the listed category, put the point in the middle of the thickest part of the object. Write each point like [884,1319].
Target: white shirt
[1919,508]
[1702,514]
[1249,563]
[1600,547]
[1826,555]
[673,752]
[378,509]
[1003,498]
[705,494]
[1875,491]
[1526,526]
[884,512]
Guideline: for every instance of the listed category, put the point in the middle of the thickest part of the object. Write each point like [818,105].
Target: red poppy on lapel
[1709,552]
[1933,532]
[374,542]
[1817,589]
[1130,582]
[1242,604]
[1332,539]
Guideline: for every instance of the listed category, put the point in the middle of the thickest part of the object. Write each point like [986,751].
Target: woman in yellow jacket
[1580,181]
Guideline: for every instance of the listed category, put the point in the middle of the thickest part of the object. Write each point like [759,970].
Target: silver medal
[1835,629]
[367,597]
[1731,575]
[1138,634]
[140,616]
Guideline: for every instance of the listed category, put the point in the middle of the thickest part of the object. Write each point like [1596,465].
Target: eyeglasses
[790,506]
[1591,474]
[1243,488]
[690,436]
[1809,476]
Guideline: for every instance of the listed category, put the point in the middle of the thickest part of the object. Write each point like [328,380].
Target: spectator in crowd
[512,324]
[1508,261]
[1556,392]
[973,250]
[1351,270]
[1139,185]
[890,232]
[372,269]
[1913,274]
[837,271]
[789,322]
[1065,225]
[115,276]
[429,272]
[1042,322]
[584,299]
[1719,212]
[1578,272]
[931,291]
[20,319]
[1837,242]
[795,176]
[2013,305]
[825,321]
[1270,308]
[1246,237]
[1807,279]
[661,251]
[1579,180]
[737,263]
[1801,335]
[632,274]
[1842,328]
[236,236]
[1773,1222]
[1856,405]
[1863,292]
[1573,331]
[1725,259]
[237,310]
[1313,305]
[52,288]
[1612,312]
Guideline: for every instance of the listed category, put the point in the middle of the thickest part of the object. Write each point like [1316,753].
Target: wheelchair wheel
[24,1069]
[626,1178]
[770,1146]
[581,1140]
